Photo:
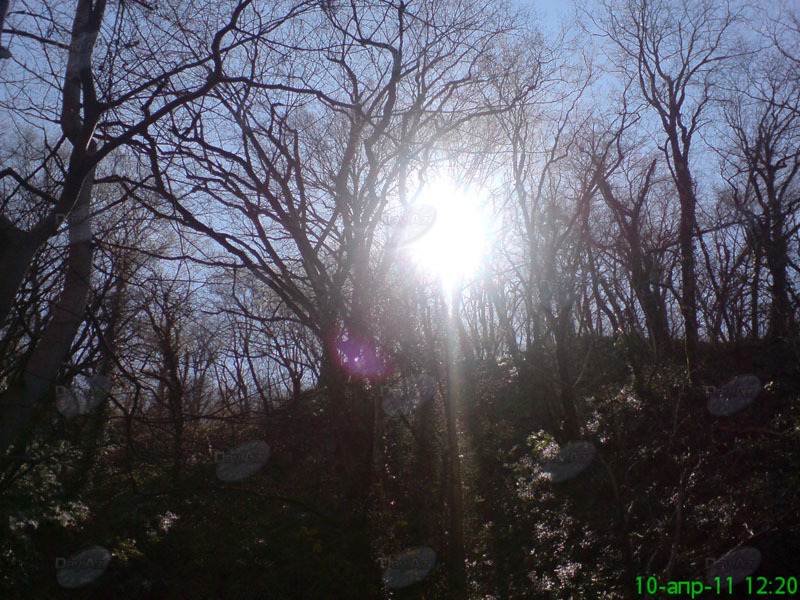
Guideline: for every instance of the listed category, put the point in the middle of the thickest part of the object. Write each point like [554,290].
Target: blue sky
[551,10]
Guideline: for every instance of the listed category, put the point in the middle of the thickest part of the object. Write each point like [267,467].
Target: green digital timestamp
[651,586]
[763,586]
[759,586]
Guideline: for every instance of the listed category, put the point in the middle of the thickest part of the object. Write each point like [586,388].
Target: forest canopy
[320,299]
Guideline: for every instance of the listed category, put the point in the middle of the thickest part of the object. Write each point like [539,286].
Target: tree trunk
[457,556]
[570,429]
[688,303]
[26,393]
[777,260]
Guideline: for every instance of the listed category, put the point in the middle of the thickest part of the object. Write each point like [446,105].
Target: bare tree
[330,124]
[674,52]
[627,201]
[101,110]
[761,166]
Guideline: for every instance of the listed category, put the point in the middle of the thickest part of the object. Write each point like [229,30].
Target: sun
[453,248]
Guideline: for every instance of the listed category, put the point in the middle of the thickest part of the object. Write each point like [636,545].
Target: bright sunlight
[455,246]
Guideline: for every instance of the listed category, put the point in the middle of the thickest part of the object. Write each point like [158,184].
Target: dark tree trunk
[570,428]
[26,393]
[776,254]
[457,555]
[688,301]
